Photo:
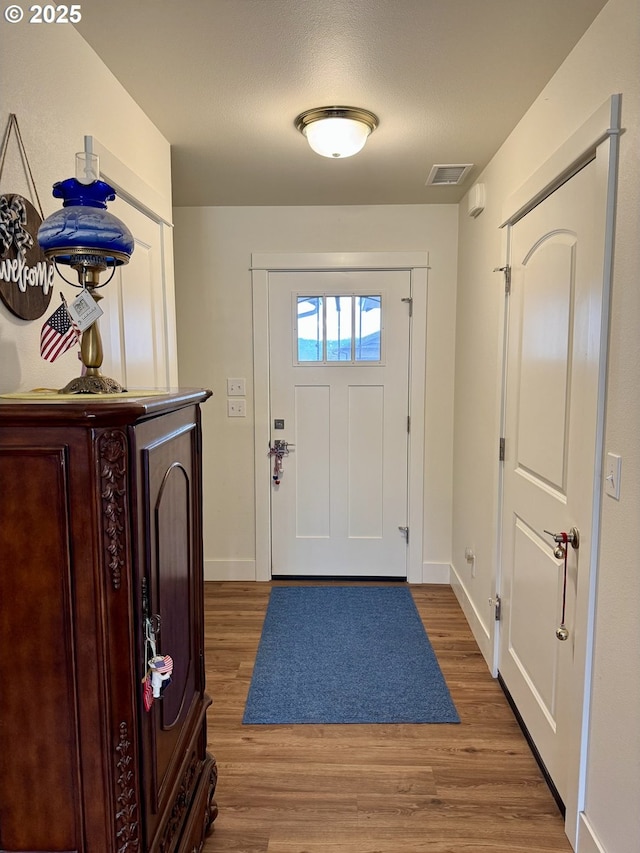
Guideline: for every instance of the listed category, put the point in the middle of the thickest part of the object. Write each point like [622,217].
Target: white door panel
[343,492]
[311,467]
[549,474]
[365,457]
[134,306]
[545,358]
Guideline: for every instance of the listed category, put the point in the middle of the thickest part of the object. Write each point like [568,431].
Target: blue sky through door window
[338,328]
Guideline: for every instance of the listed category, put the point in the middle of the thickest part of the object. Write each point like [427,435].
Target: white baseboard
[587,840]
[470,611]
[229,570]
[436,573]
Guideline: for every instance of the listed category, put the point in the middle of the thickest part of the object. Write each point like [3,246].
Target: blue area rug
[346,654]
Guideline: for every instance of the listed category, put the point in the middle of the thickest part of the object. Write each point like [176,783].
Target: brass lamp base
[92,385]
[93,382]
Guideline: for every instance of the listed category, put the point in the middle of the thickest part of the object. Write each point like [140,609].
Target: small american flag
[162,664]
[147,693]
[58,334]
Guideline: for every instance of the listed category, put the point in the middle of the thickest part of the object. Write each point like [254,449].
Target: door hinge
[408,423]
[497,603]
[405,531]
[507,277]
[409,301]
[501,449]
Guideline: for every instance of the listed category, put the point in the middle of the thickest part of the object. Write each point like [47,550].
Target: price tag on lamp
[84,310]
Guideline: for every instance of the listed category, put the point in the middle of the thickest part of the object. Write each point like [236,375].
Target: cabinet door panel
[169,502]
[173,557]
[40,807]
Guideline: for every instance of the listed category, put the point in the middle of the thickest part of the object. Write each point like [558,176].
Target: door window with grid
[344,328]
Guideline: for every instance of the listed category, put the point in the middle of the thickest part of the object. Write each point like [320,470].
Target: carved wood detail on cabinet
[113,472]
[127,838]
[98,498]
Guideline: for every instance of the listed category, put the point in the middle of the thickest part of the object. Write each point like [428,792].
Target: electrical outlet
[236,409]
[236,387]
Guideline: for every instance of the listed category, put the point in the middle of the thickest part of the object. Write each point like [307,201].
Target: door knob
[572,538]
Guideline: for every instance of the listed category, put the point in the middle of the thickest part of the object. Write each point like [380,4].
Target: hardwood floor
[467,788]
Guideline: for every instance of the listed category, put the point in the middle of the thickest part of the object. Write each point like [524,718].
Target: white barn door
[139,323]
[550,461]
[556,357]
[135,303]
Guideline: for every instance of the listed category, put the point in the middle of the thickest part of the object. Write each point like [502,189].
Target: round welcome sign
[26,276]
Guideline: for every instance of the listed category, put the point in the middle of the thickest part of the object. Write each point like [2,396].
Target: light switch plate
[236,387]
[613,471]
[236,408]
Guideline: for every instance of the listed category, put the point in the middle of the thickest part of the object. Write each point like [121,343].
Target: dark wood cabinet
[100,536]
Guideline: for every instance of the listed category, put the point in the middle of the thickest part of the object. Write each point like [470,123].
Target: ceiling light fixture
[336,131]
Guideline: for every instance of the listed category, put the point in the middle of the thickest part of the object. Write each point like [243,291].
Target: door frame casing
[597,139]
[262,264]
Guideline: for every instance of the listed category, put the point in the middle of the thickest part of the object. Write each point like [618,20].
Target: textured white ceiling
[224,80]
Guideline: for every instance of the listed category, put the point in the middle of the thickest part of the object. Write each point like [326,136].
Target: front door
[551,460]
[339,380]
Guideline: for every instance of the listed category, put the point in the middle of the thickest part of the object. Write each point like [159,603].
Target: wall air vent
[447,175]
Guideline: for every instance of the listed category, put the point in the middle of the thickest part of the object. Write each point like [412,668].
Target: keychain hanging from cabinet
[157,668]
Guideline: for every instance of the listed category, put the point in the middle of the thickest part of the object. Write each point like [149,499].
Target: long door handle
[563,540]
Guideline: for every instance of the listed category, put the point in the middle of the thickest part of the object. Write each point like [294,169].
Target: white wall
[213,249]
[605,61]
[60,90]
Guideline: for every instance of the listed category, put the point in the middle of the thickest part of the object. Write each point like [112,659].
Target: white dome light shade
[337,137]
[336,132]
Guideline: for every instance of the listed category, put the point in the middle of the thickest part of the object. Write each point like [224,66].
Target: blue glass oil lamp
[85,236]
